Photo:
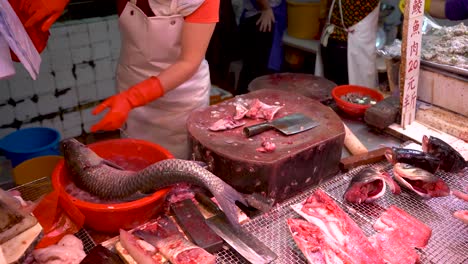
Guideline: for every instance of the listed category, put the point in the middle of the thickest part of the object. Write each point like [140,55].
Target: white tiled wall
[77,70]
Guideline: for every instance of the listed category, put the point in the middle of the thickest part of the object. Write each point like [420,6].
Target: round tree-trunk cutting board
[298,161]
[309,85]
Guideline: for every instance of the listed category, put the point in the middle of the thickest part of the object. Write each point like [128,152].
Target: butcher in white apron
[149,46]
[360,47]
[162,74]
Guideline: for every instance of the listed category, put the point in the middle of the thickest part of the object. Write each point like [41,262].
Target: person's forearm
[195,40]
[437,8]
[263,4]
[177,74]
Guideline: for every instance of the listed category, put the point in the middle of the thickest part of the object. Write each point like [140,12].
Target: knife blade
[244,243]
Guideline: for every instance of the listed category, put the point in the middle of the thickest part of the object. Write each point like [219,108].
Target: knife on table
[244,243]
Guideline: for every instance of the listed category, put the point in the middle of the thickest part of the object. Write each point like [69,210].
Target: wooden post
[410,59]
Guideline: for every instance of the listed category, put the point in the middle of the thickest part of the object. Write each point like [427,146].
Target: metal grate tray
[448,243]
[34,190]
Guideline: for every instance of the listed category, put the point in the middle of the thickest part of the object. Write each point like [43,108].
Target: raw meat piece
[414,232]
[141,253]
[337,227]
[241,110]
[260,110]
[315,246]
[298,162]
[68,250]
[226,123]
[394,250]
[266,147]
[166,237]
[462,215]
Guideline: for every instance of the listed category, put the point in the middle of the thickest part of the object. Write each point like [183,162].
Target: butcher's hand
[121,104]
[43,12]
[266,20]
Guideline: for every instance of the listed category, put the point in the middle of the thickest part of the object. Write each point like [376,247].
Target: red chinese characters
[417,7]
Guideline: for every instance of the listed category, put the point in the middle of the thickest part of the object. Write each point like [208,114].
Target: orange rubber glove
[121,104]
[38,37]
[43,11]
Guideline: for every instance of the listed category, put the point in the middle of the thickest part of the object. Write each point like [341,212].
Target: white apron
[150,45]
[7,68]
[362,52]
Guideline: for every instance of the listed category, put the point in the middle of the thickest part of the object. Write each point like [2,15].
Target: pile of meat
[253,109]
[158,242]
[68,250]
[329,235]
[447,45]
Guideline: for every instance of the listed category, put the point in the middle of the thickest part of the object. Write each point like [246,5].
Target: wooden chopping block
[354,161]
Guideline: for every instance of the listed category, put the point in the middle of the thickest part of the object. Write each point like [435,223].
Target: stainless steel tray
[447,68]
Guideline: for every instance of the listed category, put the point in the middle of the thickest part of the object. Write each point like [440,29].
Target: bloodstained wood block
[299,160]
[384,113]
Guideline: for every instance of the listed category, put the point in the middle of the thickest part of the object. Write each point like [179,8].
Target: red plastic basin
[109,218]
[352,109]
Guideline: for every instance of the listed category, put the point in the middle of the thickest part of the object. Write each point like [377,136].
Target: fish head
[413,173]
[79,155]
[422,182]
[366,186]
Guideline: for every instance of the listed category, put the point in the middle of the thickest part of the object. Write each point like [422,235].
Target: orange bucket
[352,109]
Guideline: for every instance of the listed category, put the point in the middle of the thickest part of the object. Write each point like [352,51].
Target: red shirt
[208,12]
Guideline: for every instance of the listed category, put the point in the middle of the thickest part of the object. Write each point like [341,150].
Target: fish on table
[368,185]
[413,157]
[340,235]
[107,181]
[450,159]
[423,183]
[173,245]
[140,251]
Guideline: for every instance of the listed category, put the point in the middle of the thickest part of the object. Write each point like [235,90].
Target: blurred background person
[162,74]
[348,42]
[262,25]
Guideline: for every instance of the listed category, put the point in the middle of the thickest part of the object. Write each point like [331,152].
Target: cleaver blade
[242,242]
[288,125]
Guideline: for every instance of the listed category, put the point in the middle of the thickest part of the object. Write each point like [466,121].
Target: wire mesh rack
[448,243]
[34,190]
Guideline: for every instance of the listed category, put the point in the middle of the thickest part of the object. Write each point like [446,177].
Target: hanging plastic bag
[58,217]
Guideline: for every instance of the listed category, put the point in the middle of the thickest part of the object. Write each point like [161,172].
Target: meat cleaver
[242,242]
[288,125]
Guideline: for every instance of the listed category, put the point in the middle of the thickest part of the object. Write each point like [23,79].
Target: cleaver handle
[257,129]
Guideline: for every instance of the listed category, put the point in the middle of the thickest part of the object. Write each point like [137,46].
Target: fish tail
[227,201]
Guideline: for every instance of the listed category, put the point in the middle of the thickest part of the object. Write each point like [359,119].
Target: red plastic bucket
[109,218]
[350,108]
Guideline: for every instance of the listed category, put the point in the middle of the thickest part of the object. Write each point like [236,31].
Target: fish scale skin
[110,183]
[100,178]
[451,159]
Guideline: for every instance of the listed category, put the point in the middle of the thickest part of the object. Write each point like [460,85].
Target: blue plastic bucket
[28,143]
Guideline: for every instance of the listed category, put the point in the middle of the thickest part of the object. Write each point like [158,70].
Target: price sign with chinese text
[410,59]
